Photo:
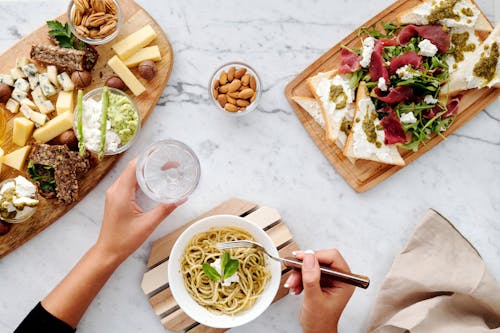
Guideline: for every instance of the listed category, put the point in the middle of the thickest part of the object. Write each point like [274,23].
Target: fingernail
[288,282]
[291,292]
[308,261]
[294,253]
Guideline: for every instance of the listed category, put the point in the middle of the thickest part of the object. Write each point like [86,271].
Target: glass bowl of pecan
[95,22]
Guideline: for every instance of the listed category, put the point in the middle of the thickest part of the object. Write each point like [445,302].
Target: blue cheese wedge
[19,95]
[44,106]
[22,84]
[17,73]
[32,73]
[20,62]
[12,105]
[7,79]
[47,88]
[38,118]
[52,73]
[29,104]
[65,82]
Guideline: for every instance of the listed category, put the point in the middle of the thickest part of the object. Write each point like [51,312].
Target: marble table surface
[266,157]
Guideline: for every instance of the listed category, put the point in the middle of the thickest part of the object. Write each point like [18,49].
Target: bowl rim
[142,159]
[95,92]
[32,209]
[189,305]
[258,90]
[92,41]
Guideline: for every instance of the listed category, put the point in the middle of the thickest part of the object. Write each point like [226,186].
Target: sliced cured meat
[434,33]
[452,107]
[408,58]
[377,64]
[393,130]
[349,62]
[389,41]
[395,95]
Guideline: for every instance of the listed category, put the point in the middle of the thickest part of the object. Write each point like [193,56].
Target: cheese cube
[134,42]
[17,158]
[52,73]
[29,104]
[17,73]
[22,84]
[26,111]
[126,75]
[7,79]
[29,70]
[19,95]
[20,62]
[65,102]
[47,88]
[65,82]
[147,53]
[34,81]
[23,128]
[54,127]
[38,118]
[12,105]
[48,106]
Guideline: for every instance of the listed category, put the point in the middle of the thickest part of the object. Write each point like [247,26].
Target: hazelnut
[4,228]
[5,92]
[148,69]
[81,79]
[66,138]
[115,82]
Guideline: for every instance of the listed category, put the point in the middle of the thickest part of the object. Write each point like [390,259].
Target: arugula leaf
[211,272]
[231,268]
[224,259]
[46,180]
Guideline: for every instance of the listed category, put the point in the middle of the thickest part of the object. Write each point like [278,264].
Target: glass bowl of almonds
[235,88]
[95,22]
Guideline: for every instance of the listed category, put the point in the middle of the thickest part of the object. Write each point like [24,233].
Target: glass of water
[168,171]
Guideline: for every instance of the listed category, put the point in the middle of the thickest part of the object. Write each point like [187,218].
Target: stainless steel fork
[327,273]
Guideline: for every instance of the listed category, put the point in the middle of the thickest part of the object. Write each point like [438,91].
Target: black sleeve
[39,320]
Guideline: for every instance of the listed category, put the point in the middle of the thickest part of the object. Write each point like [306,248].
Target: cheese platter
[113,61]
[397,86]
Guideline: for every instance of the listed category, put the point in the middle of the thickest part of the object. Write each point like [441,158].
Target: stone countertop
[266,157]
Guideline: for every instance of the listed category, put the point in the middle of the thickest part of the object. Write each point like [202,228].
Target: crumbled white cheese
[91,123]
[382,85]
[408,118]
[427,49]
[366,55]
[24,188]
[428,99]
[227,282]
[407,72]
[6,187]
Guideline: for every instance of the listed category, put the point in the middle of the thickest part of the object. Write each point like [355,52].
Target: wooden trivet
[155,280]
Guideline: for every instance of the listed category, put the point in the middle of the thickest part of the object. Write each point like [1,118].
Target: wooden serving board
[155,280]
[363,175]
[48,210]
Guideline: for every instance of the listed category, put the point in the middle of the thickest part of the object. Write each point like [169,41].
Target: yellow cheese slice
[17,158]
[147,53]
[54,127]
[134,42]
[64,102]
[126,75]
[23,128]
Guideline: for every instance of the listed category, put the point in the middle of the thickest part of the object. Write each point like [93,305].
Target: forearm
[69,300]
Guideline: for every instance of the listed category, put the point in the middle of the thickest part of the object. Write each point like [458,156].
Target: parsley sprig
[228,268]
[64,36]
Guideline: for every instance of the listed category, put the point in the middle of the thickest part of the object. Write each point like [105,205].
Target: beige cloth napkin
[438,284]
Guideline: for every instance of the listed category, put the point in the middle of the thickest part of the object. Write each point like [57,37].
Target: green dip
[443,11]
[124,119]
[338,96]
[487,65]
[461,46]
[346,126]
[369,127]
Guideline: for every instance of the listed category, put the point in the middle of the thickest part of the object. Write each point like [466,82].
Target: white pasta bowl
[200,313]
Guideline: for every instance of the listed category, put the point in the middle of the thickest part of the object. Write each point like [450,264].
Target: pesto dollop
[346,126]
[338,96]
[443,11]
[369,127]
[461,46]
[486,67]
[467,12]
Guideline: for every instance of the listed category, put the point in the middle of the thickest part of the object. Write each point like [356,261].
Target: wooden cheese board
[155,280]
[364,175]
[48,211]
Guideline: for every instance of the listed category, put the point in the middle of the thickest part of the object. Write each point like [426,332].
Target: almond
[230,73]
[253,98]
[246,93]
[223,89]
[231,100]
[240,72]
[253,83]
[216,93]
[242,102]
[233,86]
[234,94]
[231,107]
[222,100]
[223,78]
[245,79]
[216,84]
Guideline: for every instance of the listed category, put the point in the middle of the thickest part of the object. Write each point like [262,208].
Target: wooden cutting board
[363,175]
[155,280]
[48,210]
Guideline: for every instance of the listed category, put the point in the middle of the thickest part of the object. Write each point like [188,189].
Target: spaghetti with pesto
[253,273]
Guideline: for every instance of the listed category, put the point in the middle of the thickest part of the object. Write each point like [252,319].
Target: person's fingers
[155,216]
[181,202]
[311,276]
[294,280]
[331,257]
[128,180]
